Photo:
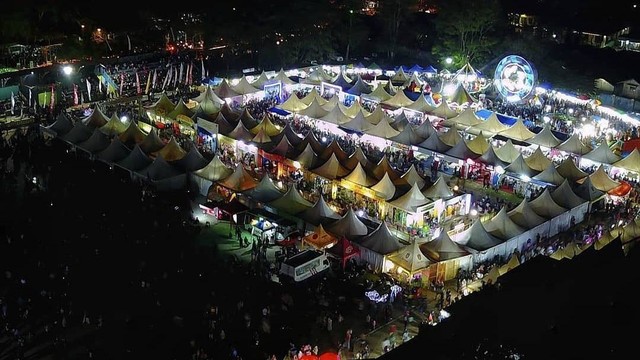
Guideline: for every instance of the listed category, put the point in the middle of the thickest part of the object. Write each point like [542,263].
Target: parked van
[304,265]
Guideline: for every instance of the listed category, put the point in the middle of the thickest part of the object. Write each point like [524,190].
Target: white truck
[304,265]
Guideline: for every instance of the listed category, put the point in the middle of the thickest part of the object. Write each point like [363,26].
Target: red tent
[344,250]
[329,356]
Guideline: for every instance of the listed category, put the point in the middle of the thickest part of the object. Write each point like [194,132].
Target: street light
[67,70]
[448,61]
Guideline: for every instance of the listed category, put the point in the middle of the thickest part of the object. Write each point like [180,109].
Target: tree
[394,13]
[467,30]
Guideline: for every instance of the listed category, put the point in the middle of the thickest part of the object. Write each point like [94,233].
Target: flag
[138,91]
[155,76]
[181,71]
[29,96]
[167,78]
[203,72]
[121,83]
[100,84]
[13,103]
[146,89]
[175,76]
[88,89]
[129,41]
[53,97]
[75,94]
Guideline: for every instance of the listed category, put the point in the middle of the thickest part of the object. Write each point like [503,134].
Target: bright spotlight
[67,70]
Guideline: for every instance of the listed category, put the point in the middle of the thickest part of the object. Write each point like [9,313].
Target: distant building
[628,89]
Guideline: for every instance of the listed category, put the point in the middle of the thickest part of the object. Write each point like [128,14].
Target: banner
[181,71]
[53,97]
[146,89]
[75,94]
[88,89]
[13,103]
[121,83]
[203,72]
[155,76]
[138,91]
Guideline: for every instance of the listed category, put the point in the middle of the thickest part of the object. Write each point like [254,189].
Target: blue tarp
[412,95]
[430,69]
[505,119]
[280,112]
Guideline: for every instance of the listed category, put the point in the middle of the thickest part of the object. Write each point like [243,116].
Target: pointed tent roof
[292,104]
[334,148]
[172,151]
[461,96]
[520,167]
[602,154]
[398,100]
[568,170]
[331,169]
[400,121]
[574,145]
[320,213]
[550,175]
[348,226]
[136,160]
[587,191]
[390,88]
[229,114]
[240,180]
[414,78]
[451,137]
[208,95]
[461,151]
[411,200]
[381,240]
[164,105]
[331,103]
[442,248]
[384,167]
[342,80]
[207,108]
[115,152]
[465,119]
[479,144]
[353,110]
[317,76]
[490,157]
[513,263]
[79,133]
[240,132]
[215,170]
[180,109]
[410,258]
[508,152]
[538,161]
[524,215]
[601,180]
[282,148]
[114,126]
[379,94]
[384,188]
[247,119]
[62,125]
[314,110]
[407,136]
[283,78]
[291,202]
[261,138]
[424,103]
[293,137]
[411,178]
[244,87]
[439,190]
[544,205]
[311,139]
[359,176]
[630,162]
[97,142]
[260,81]
[224,90]
[477,238]
[443,110]
[159,169]
[359,88]
[545,138]
[336,116]
[501,226]
[358,157]
[425,129]
[97,119]
[152,142]
[435,143]
[267,126]
[265,191]
[518,131]
[193,160]
[490,126]
[358,123]
[133,134]
[307,158]
[383,129]
[400,76]
[564,196]
[313,95]
[320,238]
[377,115]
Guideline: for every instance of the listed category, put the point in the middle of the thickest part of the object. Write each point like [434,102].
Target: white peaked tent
[358,157]
[550,175]
[426,129]
[114,126]
[240,180]
[564,196]
[358,123]
[490,126]
[479,144]
[444,111]
[490,157]
[383,129]
[314,110]
[292,104]
[630,162]
[215,170]
[317,76]
[260,81]
[508,152]
[466,119]
[192,161]
[348,226]
[353,110]
[224,91]
[398,100]
[359,177]
[379,94]
[283,78]
[265,191]
[384,167]
[434,143]
[115,152]
[439,190]
[601,180]
[568,170]
[545,138]
[97,142]
[312,96]
[159,169]
[244,87]
[61,126]
[442,248]
[462,151]
[336,116]
[422,104]
[602,154]
[378,114]
[544,205]
[97,119]
[79,133]
[451,137]
[375,246]
[574,145]
[208,95]
[240,132]
[331,169]
[538,161]
[407,137]
[400,76]
[385,188]
[518,131]
[502,227]
[291,202]
[180,109]
[135,161]
[152,142]
[411,200]
[307,157]
[520,167]
[477,238]
[587,191]
[411,178]
[524,216]
[410,258]
[320,213]
[172,151]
